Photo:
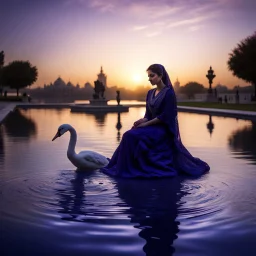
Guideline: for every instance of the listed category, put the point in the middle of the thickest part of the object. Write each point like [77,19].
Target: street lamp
[210,125]
[210,77]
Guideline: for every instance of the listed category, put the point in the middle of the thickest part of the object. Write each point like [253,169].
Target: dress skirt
[143,152]
[151,152]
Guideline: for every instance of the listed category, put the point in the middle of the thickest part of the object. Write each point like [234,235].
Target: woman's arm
[148,114]
[150,122]
[169,112]
[138,122]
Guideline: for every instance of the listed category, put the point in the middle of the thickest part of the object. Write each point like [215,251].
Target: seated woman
[153,148]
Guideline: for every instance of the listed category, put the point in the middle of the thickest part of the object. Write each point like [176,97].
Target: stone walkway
[220,112]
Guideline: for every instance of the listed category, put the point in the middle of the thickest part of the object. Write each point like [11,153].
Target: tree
[242,60]
[1,59]
[19,125]
[191,88]
[19,74]
[1,66]
[221,88]
[243,140]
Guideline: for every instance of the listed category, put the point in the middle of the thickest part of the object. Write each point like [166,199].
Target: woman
[153,148]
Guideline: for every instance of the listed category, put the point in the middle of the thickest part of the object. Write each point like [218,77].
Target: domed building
[88,85]
[69,84]
[59,83]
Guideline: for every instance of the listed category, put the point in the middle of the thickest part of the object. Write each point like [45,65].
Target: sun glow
[137,78]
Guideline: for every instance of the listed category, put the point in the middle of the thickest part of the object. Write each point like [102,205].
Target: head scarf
[154,102]
[166,79]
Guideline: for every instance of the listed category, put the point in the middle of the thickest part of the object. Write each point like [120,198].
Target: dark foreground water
[49,209]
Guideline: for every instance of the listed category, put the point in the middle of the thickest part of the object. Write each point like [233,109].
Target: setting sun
[137,78]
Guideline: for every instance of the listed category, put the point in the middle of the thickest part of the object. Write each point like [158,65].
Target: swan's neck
[72,142]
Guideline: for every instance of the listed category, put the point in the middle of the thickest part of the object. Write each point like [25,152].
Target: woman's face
[153,78]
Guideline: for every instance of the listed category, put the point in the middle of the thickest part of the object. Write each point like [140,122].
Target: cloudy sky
[73,38]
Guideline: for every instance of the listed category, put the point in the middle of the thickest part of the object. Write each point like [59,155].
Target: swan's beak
[56,136]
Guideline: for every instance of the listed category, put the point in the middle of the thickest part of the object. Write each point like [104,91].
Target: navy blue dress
[155,150]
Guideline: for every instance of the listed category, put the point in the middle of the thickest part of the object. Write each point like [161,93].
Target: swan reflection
[72,197]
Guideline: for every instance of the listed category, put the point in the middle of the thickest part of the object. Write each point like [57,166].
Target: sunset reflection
[134,216]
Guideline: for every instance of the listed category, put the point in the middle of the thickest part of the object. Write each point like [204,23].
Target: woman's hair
[156,68]
[160,71]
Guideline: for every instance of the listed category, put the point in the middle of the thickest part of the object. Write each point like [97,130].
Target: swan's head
[61,130]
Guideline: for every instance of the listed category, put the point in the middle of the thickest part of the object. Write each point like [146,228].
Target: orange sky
[73,38]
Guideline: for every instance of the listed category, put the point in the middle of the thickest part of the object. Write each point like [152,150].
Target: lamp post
[210,125]
[118,126]
[210,75]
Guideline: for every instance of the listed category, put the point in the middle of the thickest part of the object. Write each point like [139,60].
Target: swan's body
[85,160]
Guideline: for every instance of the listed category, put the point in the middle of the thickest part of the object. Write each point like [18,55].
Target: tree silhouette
[242,60]
[19,125]
[1,66]
[191,88]
[243,141]
[1,59]
[19,74]
[2,149]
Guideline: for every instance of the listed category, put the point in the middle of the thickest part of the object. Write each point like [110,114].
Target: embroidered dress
[155,150]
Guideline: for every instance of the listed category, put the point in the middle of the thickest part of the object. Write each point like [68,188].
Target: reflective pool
[49,209]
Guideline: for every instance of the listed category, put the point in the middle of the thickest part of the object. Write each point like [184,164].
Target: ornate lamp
[210,75]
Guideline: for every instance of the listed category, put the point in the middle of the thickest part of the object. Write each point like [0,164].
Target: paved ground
[220,112]
[2,105]
[7,107]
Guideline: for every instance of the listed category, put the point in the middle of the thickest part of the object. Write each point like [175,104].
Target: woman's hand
[144,124]
[140,121]
[147,123]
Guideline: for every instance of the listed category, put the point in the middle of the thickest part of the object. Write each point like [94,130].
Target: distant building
[102,77]
[244,97]
[59,83]
[87,85]
[69,84]
[221,88]
[177,86]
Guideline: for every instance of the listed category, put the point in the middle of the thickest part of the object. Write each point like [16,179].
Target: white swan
[85,160]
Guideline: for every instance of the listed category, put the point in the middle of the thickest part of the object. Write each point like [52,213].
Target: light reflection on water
[61,212]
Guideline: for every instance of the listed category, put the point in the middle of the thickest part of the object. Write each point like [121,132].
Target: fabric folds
[155,150]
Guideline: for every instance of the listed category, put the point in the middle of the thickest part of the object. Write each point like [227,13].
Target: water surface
[47,208]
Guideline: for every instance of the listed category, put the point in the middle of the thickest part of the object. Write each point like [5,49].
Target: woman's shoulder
[170,92]
[151,91]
